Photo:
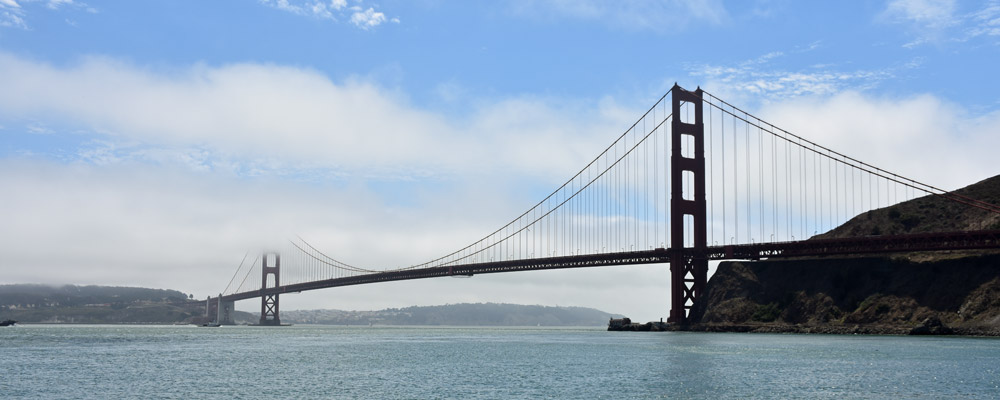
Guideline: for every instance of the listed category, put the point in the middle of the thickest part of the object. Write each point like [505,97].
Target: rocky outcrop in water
[959,295]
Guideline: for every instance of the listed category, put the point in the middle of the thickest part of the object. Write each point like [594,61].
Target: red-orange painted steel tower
[688,273]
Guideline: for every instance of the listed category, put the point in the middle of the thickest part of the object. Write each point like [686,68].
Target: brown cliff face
[854,295]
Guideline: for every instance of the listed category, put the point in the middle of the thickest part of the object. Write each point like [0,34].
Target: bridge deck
[970,240]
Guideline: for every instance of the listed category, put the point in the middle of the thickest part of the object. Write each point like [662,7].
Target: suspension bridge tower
[688,261]
[269,302]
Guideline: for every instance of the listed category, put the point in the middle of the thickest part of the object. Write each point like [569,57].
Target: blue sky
[138,137]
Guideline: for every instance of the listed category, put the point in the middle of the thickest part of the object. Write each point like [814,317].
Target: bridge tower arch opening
[270,278]
[688,260]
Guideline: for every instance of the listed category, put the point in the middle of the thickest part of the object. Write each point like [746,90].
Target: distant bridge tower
[269,302]
[688,269]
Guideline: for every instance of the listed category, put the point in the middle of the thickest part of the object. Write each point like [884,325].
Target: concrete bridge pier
[225,311]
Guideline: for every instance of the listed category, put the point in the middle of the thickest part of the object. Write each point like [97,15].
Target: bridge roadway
[966,240]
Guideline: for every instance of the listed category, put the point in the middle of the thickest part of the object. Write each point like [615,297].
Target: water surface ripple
[306,362]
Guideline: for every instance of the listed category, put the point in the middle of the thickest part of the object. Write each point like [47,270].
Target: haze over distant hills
[479,314]
[30,303]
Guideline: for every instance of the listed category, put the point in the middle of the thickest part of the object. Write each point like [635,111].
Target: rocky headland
[854,295]
[935,293]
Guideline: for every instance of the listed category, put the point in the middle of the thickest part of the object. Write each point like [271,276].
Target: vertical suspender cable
[711,178]
[746,145]
[788,186]
[736,185]
[774,182]
[656,176]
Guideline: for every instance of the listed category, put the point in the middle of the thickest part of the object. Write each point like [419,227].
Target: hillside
[481,314]
[940,292]
[95,304]
[927,214]
[33,296]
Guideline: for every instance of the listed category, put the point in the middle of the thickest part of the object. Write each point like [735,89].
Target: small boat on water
[7,322]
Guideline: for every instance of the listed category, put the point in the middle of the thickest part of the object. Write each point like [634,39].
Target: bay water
[337,362]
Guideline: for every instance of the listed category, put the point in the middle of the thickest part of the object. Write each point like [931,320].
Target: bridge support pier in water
[225,312]
[688,269]
[269,302]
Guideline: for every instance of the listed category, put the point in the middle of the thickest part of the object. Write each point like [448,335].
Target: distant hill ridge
[33,303]
[478,314]
[35,295]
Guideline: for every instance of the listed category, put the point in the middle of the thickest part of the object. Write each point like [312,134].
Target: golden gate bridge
[694,179]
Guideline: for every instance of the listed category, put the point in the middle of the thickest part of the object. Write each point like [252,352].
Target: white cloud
[929,14]
[13,14]
[10,19]
[627,14]
[757,80]
[333,10]
[320,10]
[986,22]
[55,4]
[284,5]
[921,137]
[940,21]
[253,111]
[367,19]
[927,20]
[38,129]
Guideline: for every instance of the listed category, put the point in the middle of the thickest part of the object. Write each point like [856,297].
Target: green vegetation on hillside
[95,304]
[33,296]
[929,213]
